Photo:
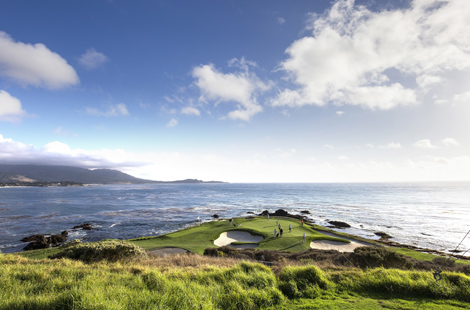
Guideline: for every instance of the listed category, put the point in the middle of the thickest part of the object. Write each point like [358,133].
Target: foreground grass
[211,283]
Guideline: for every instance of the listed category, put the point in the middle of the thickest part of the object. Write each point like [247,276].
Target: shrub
[371,257]
[103,250]
[71,243]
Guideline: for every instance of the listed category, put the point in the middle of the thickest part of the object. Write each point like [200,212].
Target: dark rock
[305,212]
[265,212]
[339,224]
[57,239]
[42,242]
[84,227]
[280,212]
[383,235]
[250,212]
[216,216]
[36,237]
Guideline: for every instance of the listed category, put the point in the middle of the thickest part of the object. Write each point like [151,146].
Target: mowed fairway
[197,238]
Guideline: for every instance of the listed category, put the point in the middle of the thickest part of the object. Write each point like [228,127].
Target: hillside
[42,173]
[9,173]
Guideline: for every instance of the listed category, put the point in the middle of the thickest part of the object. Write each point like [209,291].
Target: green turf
[198,238]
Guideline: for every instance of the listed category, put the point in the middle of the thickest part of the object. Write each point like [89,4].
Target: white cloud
[34,65]
[281,20]
[328,146]
[339,113]
[241,87]
[343,158]
[424,144]
[462,98]
[119,109]
[426,80]
[92,59]
[12,152]
[450,142]
[172,123]
[391,145]
[10,107]
[190,111]
[352,51]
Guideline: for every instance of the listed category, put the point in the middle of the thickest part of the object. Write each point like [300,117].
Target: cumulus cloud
[450,142]
[281,21]
[190,111]
[10,107]
[172,123]
[357,56]
[241,87]
[462,98]
[424,144]
[92,59]
[35,65]
[119,109]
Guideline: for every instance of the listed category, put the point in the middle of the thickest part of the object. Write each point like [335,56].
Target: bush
[371,257]
[103,250]
[71,243]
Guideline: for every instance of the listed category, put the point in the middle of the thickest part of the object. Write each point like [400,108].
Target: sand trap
[337,245]
[226,238]
[168,251]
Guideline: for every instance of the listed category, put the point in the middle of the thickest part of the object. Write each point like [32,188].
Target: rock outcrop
[39,241]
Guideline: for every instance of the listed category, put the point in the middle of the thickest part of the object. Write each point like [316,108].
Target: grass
[197,239]
[191,281]
[197,282]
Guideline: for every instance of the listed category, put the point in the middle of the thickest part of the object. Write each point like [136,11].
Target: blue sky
[239,91]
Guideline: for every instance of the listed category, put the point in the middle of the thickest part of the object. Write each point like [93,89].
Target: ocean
[428,215]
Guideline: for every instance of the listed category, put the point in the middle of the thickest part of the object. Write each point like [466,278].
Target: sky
[239,91]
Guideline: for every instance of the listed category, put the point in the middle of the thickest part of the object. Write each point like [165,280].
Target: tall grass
[196,282]
[67,284]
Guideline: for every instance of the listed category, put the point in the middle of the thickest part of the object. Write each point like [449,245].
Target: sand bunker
[337,245]
[226,238]
[168,251]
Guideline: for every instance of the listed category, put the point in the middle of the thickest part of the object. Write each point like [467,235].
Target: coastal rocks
[339,224]
[284,213]
[383,235]
[39,241]
[305,212]
[216,216]
[84,227]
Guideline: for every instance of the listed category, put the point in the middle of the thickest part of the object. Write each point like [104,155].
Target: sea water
[429,215]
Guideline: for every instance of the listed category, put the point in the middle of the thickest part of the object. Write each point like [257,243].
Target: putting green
[198,238]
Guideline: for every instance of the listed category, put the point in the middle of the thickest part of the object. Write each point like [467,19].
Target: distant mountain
[65,173]
[40,173]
